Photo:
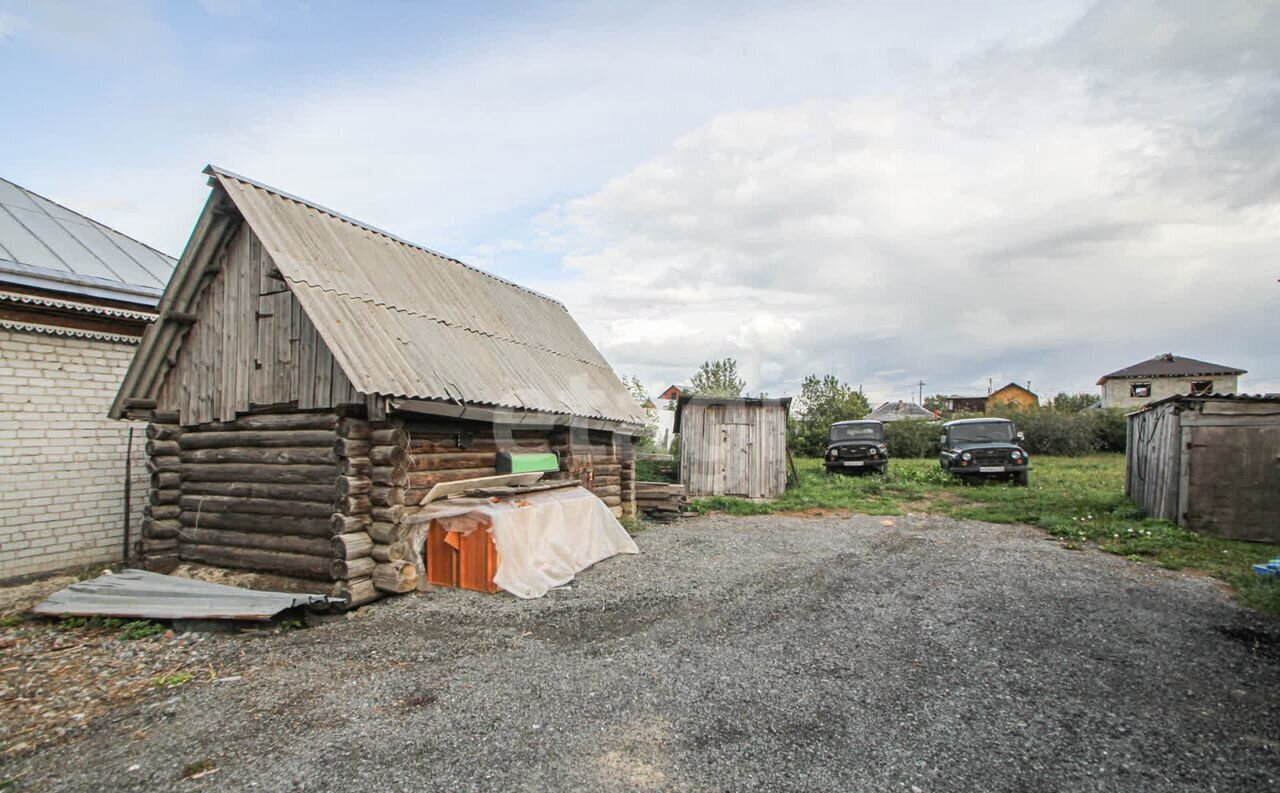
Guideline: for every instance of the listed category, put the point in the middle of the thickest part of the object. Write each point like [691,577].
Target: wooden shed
[309,378]
[1210,463]
[733,446]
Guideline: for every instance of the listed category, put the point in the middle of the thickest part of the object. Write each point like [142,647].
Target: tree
[937,403]
[717,378]
[639,394]
[822,402]
[1074,403]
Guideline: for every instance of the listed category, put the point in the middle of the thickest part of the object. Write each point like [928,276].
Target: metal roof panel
[143,595]
[38,233]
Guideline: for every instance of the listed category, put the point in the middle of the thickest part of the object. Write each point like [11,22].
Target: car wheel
[1022,479]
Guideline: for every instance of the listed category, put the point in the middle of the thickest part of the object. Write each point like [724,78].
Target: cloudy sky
[886,191]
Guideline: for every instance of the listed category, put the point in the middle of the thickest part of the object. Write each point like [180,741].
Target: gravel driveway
[755,654]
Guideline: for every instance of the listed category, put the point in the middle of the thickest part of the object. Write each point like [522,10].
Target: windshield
[985,432]
[855,432]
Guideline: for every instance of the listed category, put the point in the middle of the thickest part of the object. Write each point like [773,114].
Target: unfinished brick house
[310,378]
[75,297]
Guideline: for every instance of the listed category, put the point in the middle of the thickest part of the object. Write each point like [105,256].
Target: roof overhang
[783,402]
[512,417]
[150,364]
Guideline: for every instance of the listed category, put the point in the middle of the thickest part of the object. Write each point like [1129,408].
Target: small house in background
[1164,376]
[1208,463]
[733,446]
[900,411]
[75,298]
[311,378]
[673,393]
[1012,395]
[966,404]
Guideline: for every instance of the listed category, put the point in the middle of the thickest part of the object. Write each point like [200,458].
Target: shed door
[739,440]
[1233,481]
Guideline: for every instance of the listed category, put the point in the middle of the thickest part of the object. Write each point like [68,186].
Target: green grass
[130,630]
[172,681]
[1079,500]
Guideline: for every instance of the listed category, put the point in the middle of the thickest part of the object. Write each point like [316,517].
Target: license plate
[991,469]
[853,462]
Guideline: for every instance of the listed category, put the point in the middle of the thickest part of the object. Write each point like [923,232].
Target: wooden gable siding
[250,346]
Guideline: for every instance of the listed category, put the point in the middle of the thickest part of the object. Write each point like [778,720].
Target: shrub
[1110,428]
[912,438]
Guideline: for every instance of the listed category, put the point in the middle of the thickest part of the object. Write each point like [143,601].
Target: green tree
[822,402]
[717,378]
[639,394]
[937,403]
[1073,403]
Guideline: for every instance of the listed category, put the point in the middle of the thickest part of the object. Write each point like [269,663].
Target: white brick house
[1165,376]
[75,297]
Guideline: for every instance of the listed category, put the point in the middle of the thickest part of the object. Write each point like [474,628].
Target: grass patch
[1079,500]
[172,681]
[129,630]
[11,620]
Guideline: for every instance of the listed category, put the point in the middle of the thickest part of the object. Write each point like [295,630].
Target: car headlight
[966,456]
[1017,455]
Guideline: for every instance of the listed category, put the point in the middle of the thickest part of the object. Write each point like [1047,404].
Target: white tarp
[543,539]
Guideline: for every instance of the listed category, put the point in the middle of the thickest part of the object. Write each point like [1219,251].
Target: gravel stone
[738,654]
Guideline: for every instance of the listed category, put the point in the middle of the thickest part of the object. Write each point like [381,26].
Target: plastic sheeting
[543,539]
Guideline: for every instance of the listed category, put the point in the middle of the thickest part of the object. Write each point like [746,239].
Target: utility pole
[921,385]
[988,386]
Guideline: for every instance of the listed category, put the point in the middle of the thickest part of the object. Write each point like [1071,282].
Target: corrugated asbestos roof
[896,411]
[44,244]
[142,595]
[404,321]
[1170,365]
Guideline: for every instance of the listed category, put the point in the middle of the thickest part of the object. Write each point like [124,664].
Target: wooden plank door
[1232,481]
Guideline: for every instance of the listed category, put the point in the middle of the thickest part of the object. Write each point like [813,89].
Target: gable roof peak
[216,171]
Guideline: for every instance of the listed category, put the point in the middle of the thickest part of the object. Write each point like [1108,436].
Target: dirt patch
[248,580]
[930,503]
[55,681]
[20,597]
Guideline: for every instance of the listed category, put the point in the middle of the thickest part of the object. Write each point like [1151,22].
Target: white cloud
[1012,219]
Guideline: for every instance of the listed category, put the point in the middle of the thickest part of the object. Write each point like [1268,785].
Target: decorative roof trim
[54,330]
[75,305]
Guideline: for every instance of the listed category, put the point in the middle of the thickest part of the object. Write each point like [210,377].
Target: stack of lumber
[661,500]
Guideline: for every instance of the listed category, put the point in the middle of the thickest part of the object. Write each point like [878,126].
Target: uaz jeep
[856,446]
[984,448]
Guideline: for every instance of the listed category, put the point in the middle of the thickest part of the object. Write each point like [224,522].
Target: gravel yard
[765,653]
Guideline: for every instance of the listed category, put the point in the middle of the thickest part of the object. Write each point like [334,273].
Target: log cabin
[310,377]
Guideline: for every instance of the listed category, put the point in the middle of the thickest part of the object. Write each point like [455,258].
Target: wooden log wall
[445,451]
[393,569]
[258,492]
[158,548]
[352,564]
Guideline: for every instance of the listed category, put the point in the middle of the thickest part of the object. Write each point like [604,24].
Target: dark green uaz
[856,446]
[984,449]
